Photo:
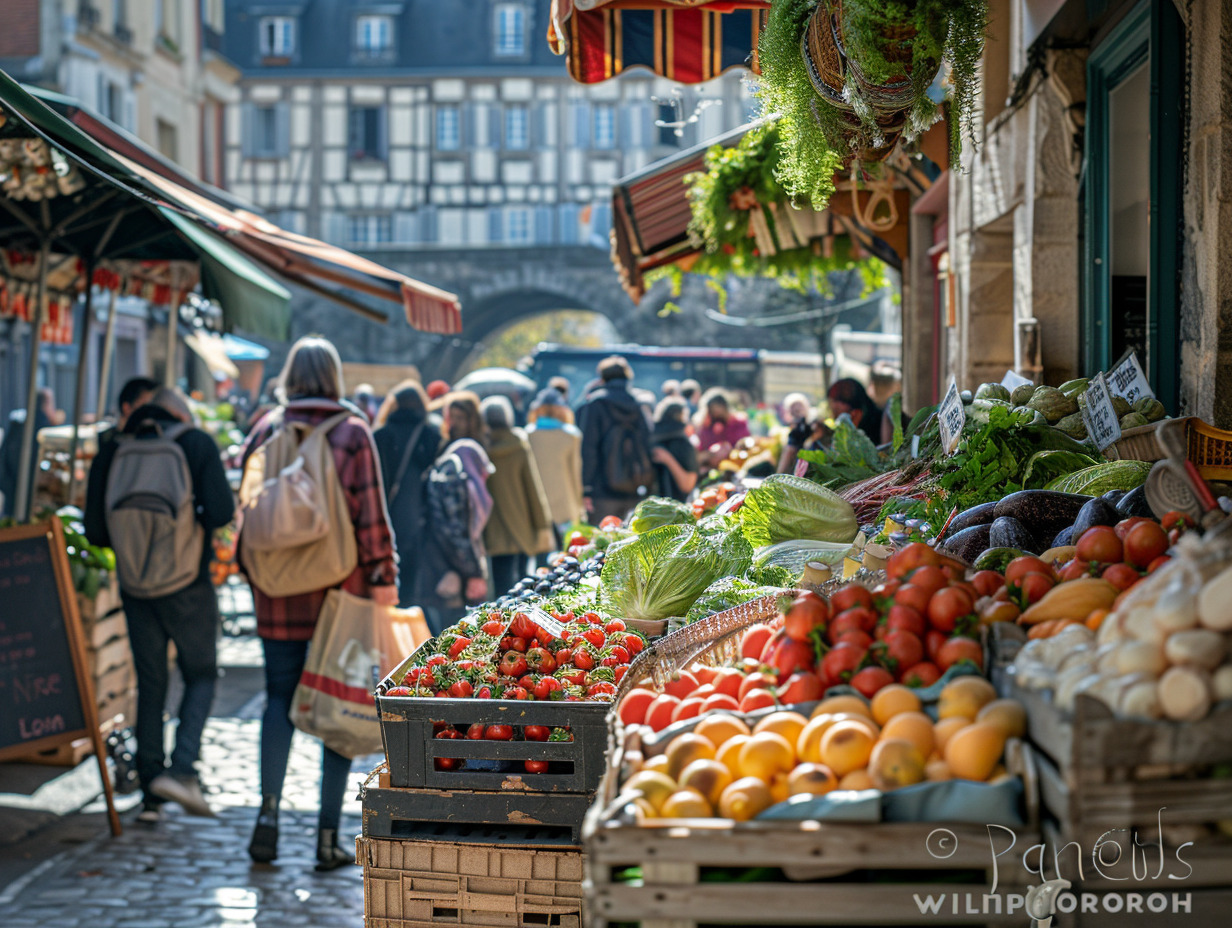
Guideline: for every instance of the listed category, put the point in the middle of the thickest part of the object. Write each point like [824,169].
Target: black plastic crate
[408,725]
[475,817]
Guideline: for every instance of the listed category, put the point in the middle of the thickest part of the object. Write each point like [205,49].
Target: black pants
[190,619]
[507,569]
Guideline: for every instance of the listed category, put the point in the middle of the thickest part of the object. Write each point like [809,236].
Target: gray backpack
[152,515]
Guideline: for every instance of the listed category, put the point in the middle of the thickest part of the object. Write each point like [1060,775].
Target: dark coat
[10,456]
[407,510]
[596,419]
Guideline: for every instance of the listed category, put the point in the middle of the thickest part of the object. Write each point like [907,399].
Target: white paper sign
[545,621]
[1012,380]
[1129,380]
[1100,415]
[951,417]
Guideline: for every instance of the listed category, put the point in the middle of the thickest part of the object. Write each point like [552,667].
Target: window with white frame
[369,229]
[605,126]
[510,29]
[448,129]
[517,133]
[366,133]
[517,226]
[374,34]
[277,36]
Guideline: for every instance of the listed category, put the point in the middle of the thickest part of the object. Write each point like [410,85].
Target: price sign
[1100,415]
[951,417]
[545,621]
[1129,380]
[1012,380]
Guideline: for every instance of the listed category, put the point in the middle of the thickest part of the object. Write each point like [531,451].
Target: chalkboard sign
[46,696]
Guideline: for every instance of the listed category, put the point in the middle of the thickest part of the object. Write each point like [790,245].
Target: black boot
[263,847]
[329,855]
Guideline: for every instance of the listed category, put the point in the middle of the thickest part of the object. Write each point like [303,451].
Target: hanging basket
[827,66]
[859,137]
[897,91]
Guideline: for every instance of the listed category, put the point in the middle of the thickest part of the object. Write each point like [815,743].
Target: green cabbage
[787,508]
[657,511]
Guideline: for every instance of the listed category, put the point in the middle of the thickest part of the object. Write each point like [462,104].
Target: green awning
[251,300]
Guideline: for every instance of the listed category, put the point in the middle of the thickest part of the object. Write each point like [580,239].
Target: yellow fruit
[846,747]
[808,744]
[657,763]
[857,779]
[1009,714]
[787,724]
[779,789]
[973,752]
[644,809]
[895,762]
[915,727]
[766,754]
[893,700]
[836,704]
[965,696]
[729,754]
[653,785]
[708,777]
[937,770]
[684,750]
[686,803]
[745,799]
[815,779]
[944,730]
[717,727]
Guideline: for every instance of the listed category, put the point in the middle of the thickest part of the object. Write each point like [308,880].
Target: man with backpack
[155,495]
[616,465]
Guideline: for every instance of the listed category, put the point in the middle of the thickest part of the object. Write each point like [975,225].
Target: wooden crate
[103,631]
[413,883]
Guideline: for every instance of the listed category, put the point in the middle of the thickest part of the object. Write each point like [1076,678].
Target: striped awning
[690,41]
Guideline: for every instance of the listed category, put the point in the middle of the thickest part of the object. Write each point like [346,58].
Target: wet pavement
[188,871]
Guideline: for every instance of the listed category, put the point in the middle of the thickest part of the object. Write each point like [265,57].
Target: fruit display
[225,564]
[737,766]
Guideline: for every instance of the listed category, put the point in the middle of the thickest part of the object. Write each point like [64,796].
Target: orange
[895,762]
[685,749]
[653,786]
[847,703]
[857,779]
[745,799]
[973,752]
[766,754]
[686,803]
[1008,714]
[816,779]
[779,789]
[944,730]
[965,696]
[893,700]
[787,724]
[915,727]
[846,747]
[658,763]
[729,753]
[808,744]
[717,727]
[708,777]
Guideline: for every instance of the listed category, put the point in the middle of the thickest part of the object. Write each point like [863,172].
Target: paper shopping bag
[355,644]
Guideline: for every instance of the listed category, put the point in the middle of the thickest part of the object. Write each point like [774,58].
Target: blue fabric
[946,801]
[547,422]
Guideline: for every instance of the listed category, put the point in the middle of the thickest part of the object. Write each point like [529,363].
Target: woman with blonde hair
[310,391]
[557,447]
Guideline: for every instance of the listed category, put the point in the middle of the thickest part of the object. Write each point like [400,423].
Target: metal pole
[108,349]
[86,318]
[25,478]
[173,324]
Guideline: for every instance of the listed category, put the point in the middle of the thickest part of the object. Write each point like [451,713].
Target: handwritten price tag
[1129,380]
[951,417]
[1102,423]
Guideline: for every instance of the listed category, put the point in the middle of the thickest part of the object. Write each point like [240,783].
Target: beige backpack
[295,526]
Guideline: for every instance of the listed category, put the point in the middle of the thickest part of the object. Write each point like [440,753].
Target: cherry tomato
[583,659]
[540,660]
[807,612]
[462,689]
[615,625]
[755,681]
[790,656]
[475,731]
[1122,528]
[1100,545]
[851,620]
[548,688]
[515,692]
[929,578]
[841,662]
[1074,569]
[860,639]
[522,626]
[913,556]
[498,733]
[688,709]
[1143,543]
[948,606]
[1177,520]
[513,664]
[493,628]
[904,648]
[1157,563]
[933,640]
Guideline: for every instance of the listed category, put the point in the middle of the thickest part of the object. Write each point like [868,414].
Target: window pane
[510,28]
[447,136]
[605,126]
[516,136]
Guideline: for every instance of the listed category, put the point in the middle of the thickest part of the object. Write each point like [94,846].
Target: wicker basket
[826,65]
[1210,449]
[1142,443]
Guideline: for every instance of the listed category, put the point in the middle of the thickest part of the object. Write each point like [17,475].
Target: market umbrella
[493,381]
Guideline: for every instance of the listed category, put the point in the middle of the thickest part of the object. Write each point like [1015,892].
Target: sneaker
[184,790]
[151,812]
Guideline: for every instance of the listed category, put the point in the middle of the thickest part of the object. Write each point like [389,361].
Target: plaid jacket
[293,618]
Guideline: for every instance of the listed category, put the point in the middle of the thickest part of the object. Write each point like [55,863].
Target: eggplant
[983,514]
[1114,496]
[1064,537]
[1134,503]
[1008,532]
[1042,512]
[1097,512]
[968,544]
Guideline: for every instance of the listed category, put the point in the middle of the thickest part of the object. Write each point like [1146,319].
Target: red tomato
[610,522]
[801,687]
[860,639]
[948,606]
[540,660]
[720,701]
[929,578]
[790,656]
[1145,542]
[1157,563]
[513,664]
[755,681]
[1019,567]
[602,688]
[446,763]
[854,620]
[1122,576]
[536,732]
[522,626]
[660,713]
[757,699]
[548,688]
[887,590]
[461,689]
[988,582]
[850,596]
[681,685]
[536,766]
[1177,520]
[474,732]
[515,692]
[1123,527]
[728,681]
[933,640]
[913,597]
[495,628]
[913,556]
[584,658]
[958,649]
[705,673]
[754,641]
[925,673]
[615,625]
[706,689]
[595,636]
[1074,569]
[904,618]
[841,662]
[459,645]
[807,612]
[869,680]
[688,709]
[904,648]
[1100,545]
[498,733]
[866,617]
[1035,587]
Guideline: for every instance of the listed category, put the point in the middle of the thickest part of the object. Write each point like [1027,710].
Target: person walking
[718,428]
[166,599]
[557,446]
[455,570]
[310,392]
[673,451]
[406,444]
[616,464]
[521,523]
[45,415]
